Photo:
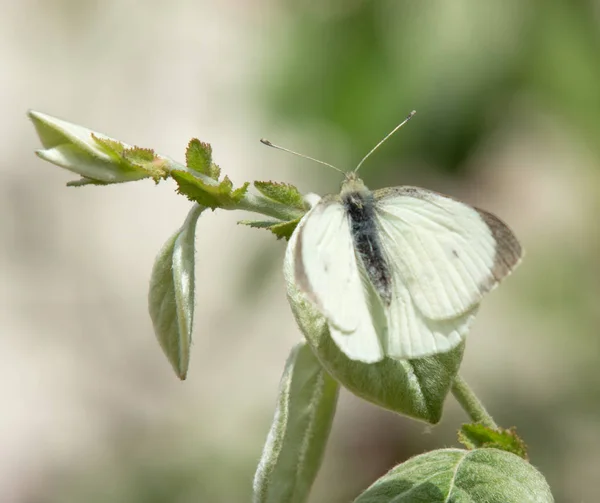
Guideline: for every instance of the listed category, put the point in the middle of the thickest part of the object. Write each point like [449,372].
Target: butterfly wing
[328,273]
[443,257]
[448,254]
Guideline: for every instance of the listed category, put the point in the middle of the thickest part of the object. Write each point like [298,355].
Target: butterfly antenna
[409,117]
[269,144]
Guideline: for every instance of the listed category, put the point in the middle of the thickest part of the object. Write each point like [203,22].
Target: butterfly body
[360,206]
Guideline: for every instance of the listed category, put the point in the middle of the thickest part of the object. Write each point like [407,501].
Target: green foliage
[475,435]
[414,388]
[109,146]
[171,296]
[458,476]
[220,195]
[296,442]
[280,229]
[283,193]
[132,158]
[198,158]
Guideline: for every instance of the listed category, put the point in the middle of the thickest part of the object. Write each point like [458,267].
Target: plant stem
[471,404]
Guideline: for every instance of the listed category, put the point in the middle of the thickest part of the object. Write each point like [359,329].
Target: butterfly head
[352,183]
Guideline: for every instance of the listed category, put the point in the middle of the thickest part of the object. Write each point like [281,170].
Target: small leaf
[109,146]
[220,195]
[138,155]
[285,229]
[280,229]
[82,182]
[259,224]
[198,157]
[459,476]
[171,296]
[476,435]
[294,449]
[283,193]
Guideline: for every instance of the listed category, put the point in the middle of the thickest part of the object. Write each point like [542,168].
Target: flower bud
[94,156]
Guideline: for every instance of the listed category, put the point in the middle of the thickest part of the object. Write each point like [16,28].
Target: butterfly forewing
[442,250]
[327,271]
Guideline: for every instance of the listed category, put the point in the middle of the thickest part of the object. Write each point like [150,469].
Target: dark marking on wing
[508,248]
[360,208]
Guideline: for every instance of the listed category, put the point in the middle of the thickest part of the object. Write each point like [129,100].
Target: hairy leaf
[171,296]
[221,195]
[280,229]
[459,476]
[198,157]
[476,435]
[282,193]
[294,449]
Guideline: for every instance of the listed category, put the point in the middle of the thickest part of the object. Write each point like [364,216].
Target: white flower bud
[92,155]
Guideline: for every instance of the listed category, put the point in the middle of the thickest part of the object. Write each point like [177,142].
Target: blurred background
[508,101]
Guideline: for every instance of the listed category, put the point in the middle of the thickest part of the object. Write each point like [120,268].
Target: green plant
[493,467]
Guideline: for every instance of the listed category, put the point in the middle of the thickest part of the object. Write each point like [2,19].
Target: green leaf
[171,296]
[82,182]
[283,193]
[476,435]
[459,476]
[139,156]
[285,229]
[415,388]
[198,157]
[219,195]
[109,146]
[280,229]
[259,224]
[294,449]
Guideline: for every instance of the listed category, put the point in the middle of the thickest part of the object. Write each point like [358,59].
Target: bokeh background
[508,101]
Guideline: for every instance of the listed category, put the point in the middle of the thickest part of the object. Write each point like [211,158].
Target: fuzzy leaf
[476,435]
[82,182]
[109,146]
[198,157]
[283,193]
[294,449]
[459,476]
[171,296]
[139,155]
[280,229]
[285,229]
[259,224]
[220,195]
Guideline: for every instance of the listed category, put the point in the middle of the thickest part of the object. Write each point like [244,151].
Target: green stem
[471,404]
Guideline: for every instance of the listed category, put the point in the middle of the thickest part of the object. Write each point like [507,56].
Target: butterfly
[398,272]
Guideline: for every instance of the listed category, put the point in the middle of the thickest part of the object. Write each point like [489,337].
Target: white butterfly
[398,272]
